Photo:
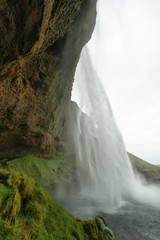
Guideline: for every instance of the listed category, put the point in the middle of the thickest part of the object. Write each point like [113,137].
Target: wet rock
[40,44]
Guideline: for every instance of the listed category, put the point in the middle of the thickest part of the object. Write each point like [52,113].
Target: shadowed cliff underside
[40,44]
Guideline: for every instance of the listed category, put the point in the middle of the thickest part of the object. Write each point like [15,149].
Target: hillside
[150,172]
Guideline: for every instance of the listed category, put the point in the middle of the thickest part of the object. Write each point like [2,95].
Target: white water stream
[103,168]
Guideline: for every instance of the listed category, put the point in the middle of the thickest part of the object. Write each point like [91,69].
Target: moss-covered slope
[44,171]
[31,213]
[27,211]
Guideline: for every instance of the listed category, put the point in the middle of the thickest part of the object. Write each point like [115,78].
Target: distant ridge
[149,171]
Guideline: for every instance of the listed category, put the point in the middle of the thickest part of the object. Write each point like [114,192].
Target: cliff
[40,44]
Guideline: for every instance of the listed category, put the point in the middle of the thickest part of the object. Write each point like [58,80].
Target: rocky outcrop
[40,44]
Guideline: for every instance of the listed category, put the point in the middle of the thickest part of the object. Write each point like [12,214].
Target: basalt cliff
[40,45]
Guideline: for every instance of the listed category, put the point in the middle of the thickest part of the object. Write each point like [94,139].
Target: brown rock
[40,44]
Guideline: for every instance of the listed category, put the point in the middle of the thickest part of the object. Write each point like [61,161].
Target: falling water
[103,168]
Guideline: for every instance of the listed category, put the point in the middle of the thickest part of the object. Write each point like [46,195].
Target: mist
[125,51]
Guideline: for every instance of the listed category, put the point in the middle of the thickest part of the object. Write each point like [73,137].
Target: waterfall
[103,168]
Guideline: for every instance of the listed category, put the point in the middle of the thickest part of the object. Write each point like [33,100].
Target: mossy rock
[94,230]
[91,229]
[98,223]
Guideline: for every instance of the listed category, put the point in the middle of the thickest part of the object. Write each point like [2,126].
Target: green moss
[104,221]
[4,191]
[6,232]
[44,171]
[11,206]
[98,223]
[32,213]
[27,211]
[91,229]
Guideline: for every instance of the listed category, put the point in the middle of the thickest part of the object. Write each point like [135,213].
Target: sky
[125,50]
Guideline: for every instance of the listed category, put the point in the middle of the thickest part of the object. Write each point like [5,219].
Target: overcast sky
[125,49]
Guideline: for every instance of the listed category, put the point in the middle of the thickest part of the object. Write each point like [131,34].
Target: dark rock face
[40,44]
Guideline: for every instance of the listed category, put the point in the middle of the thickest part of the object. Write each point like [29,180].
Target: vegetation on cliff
[27,211]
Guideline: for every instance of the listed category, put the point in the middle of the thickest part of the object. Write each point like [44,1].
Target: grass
[30,213]
[6,232]
[44,171]
[27,211]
